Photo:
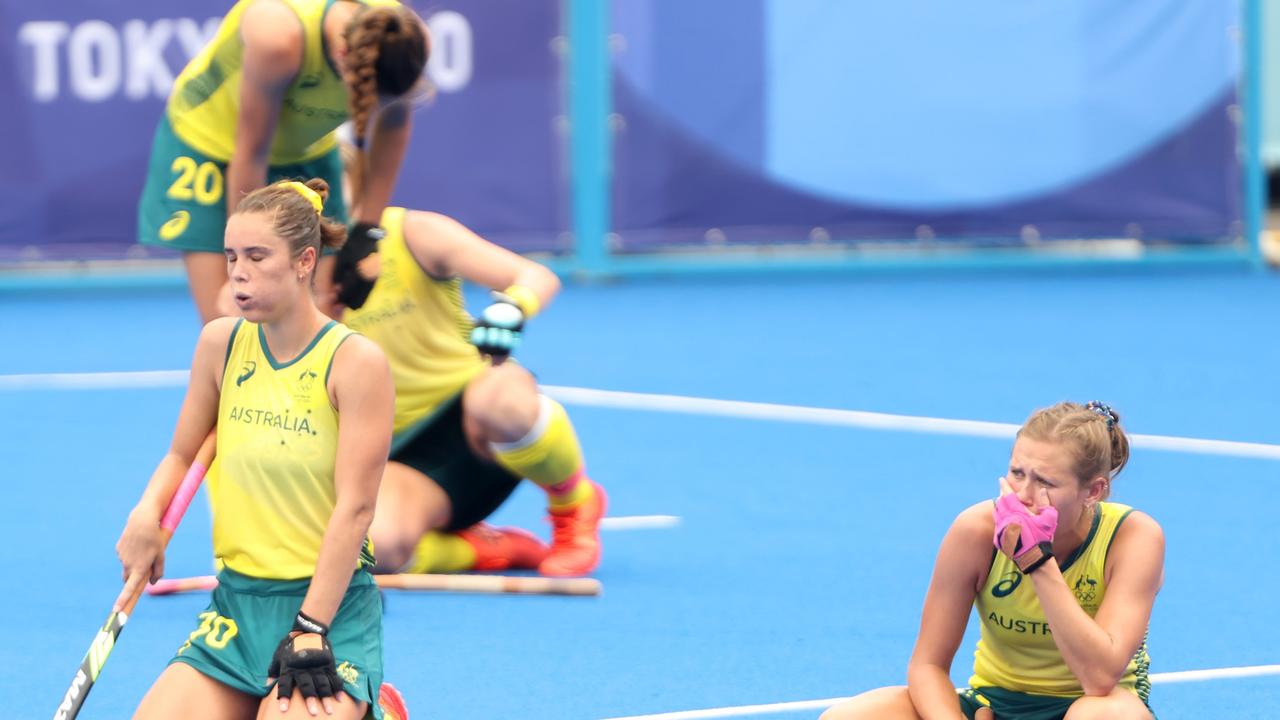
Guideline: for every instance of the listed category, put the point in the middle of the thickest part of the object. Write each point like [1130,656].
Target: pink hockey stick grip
[182,498]
[169,586]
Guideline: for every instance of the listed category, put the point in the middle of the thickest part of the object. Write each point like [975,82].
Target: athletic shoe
[504,548]
[392,704]
[575,537]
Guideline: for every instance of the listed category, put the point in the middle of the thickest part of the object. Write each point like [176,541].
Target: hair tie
[1103,410]
[312,196]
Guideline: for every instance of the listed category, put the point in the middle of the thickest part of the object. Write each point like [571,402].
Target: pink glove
[1025,537]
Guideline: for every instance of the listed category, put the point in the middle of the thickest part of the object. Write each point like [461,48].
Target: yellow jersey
[422,326]
[1016,650]
[205,103]
[274,490]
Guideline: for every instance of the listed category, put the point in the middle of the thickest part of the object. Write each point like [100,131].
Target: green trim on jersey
[230,342]
[277,365]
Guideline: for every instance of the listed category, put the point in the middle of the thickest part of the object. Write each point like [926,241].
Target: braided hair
[387,50]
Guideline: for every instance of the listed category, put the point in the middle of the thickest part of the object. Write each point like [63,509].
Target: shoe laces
[566,529]
[486,534]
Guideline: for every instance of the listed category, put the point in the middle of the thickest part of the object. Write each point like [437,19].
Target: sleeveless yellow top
[421,324]
[1016,649]
[205,103]
[277,445]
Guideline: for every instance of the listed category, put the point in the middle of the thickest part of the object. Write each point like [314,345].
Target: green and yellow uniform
[183,205]
[272,496]
[422,325]
[1017,669]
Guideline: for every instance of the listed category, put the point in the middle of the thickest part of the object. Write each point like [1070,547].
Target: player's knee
[842,711]
[503,403]
[392,549]
[832,713]
[1109,708]
[344,708]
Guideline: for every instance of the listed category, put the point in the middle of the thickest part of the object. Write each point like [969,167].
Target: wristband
[305,623]
[1046,552]
[525,299]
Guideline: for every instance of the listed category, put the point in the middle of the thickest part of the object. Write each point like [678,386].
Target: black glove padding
[305,662]
[353,258]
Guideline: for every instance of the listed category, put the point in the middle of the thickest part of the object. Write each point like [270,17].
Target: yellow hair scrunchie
[312,196]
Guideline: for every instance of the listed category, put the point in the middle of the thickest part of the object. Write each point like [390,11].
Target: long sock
[439,552]
[550,456]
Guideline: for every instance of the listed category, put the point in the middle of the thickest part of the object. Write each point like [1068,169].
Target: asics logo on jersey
[250,367]
[1008,583]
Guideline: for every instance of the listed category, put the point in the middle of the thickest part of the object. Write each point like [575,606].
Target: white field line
[772,708]
[693,406]
[873,420]
[95,380]
[639,522]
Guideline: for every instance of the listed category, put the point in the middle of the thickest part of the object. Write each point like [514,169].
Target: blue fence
[659,136]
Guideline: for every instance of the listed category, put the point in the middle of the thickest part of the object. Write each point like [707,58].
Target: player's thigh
[1119,704]
[887,703]
[409,504]
[182,691]
[344,707]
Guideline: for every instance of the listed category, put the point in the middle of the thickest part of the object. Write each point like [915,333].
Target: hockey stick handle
[100,649]
[179,503]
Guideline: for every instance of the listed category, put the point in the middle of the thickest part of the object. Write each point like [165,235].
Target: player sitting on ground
[1063,558]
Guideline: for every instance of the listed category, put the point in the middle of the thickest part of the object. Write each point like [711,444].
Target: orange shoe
[575,538]
[392,704]
[504,548]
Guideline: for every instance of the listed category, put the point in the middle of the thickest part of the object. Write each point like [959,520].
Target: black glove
[362,242]
[497,330]
[299,663]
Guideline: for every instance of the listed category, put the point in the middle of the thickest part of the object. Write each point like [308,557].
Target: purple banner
[87,81]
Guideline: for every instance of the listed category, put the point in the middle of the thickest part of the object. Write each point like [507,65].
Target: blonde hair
[1091,433]
[387,51]
[293,216]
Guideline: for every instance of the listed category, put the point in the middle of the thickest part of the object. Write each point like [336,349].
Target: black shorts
[437,447]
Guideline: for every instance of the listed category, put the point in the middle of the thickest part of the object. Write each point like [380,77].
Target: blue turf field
[804,550]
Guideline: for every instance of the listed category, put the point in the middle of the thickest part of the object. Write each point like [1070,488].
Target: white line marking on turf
[740,711]
[1214,674]
[771,708]
[692,406]
[639,522]
[874,420]
[95,380]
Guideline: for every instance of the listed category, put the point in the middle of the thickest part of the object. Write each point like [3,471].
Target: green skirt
[184,206]
[237,634]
